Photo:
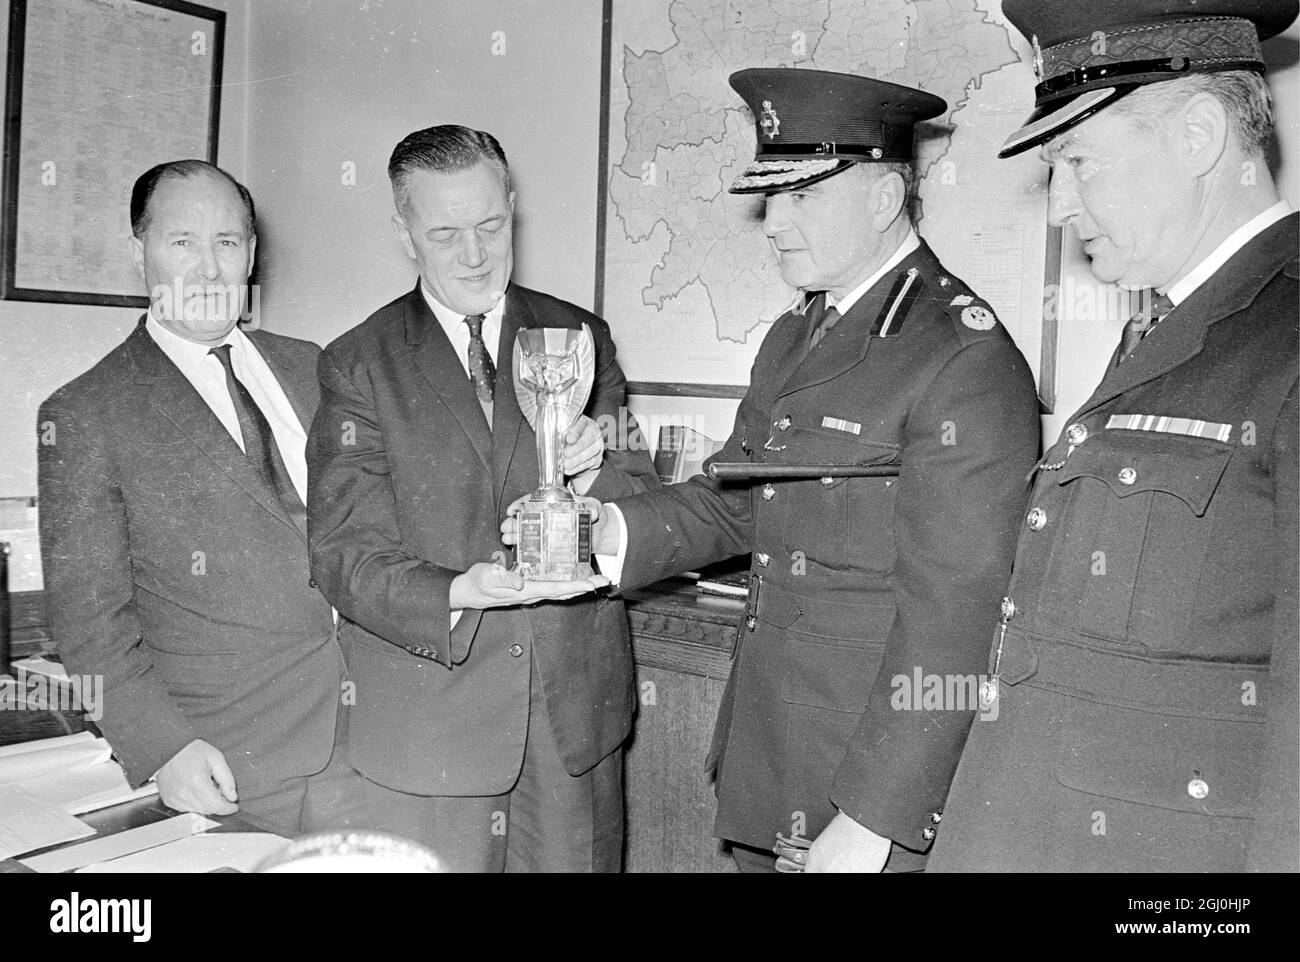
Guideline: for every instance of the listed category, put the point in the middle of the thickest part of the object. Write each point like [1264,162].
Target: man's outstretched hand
[490,585]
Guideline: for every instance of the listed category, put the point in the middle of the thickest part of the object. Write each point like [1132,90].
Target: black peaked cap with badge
[813,124]
[1088,55]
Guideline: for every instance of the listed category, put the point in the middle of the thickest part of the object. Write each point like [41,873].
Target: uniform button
[944,282]
[1036,519]
[1076,434]
[1127,475]
[751,622]
[768,492]
[516,651]
[927,834]
[763,559]
[311,583]
[783,424]
[936,817]
[1007,610]
[827,482]
[1197,788]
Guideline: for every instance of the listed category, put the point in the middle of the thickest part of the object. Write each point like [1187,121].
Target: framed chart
[96,93]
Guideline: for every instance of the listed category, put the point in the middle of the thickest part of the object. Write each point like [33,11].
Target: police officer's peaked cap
[812,124]
[1089,54]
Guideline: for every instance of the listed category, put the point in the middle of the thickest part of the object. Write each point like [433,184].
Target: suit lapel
[173,397]
[297,393]
[1181,334]
[436,360]
[508,420]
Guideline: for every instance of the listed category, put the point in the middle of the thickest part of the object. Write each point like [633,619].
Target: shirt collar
[910,243]
[450,320]
[186,354]
[1234,242]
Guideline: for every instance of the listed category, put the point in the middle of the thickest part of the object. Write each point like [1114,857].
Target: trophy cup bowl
[553,371]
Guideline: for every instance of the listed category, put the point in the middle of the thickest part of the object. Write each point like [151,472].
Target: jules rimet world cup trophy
[554,369]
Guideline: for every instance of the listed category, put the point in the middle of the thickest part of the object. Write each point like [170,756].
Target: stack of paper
[44,783]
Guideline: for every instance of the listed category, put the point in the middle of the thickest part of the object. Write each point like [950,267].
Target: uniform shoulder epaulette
[966,308]
[908,287]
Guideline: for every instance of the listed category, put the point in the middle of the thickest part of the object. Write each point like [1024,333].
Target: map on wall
[690,285]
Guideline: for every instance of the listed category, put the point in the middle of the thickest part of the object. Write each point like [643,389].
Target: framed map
[97,92]
[685,276]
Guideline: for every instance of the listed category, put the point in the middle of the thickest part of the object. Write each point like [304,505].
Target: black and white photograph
[656,437]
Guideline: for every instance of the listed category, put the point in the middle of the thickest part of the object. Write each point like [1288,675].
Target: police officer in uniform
[1145,661]
[857,582]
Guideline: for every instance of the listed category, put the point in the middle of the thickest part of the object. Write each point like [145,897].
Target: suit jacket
[408,489]
[857,581]
[1149,674]
[172,570]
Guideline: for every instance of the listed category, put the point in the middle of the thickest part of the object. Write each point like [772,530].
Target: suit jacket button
[516,651]
[1197,788]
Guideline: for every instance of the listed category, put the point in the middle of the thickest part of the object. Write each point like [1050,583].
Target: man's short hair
[148,182]
[872,172]
[1244,94]
[446,148]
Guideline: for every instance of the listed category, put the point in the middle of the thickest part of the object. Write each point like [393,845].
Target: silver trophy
[554,368]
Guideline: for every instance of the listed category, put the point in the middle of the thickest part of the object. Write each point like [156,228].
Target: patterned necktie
[481,369]
[259,442]
[820,318]
[1154,307]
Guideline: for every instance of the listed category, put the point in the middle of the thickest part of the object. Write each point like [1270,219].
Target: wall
[337,84]
[43,346]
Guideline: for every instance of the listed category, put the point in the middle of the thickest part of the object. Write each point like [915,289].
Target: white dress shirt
[1181,289]
[208,376]
[457,331]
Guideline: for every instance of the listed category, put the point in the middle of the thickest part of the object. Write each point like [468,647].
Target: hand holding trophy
[553,373]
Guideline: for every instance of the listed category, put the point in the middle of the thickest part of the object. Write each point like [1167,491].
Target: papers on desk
[44,783]
[241,851]
[123,843]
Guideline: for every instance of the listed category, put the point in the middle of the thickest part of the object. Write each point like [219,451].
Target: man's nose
[471,249]
[1062,200]
[776,217]
[209,267]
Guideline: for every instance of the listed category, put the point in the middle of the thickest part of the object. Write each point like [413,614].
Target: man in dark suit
[1146,660]
[173,535]
[490,713]
[860,586]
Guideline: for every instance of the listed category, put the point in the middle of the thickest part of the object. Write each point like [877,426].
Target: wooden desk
[682,642]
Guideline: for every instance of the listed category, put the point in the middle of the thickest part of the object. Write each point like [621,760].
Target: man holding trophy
[491,702]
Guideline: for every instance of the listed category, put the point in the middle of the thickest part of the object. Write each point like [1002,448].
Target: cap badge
[1038,59]
[770,122]
[978,317]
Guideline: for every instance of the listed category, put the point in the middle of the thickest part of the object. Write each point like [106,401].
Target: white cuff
[611,565]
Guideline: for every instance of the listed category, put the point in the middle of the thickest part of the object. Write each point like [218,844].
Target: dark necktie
[1154,307]
[481,370]
[820,318]
[259,442]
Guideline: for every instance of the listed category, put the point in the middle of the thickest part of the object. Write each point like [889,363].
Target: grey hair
[449,147]
[1244,94]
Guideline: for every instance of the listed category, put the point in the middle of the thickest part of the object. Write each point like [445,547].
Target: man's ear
[1201,133]
[252,253]
[135,248]
[889,194]
[403,236]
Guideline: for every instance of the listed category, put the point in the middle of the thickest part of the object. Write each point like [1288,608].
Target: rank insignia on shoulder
[838,424]
[1166,425]
[980,318]
[961,300]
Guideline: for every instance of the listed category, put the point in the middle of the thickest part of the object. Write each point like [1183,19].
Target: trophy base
[554,541]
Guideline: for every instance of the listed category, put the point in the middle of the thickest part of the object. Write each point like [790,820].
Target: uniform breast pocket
[829,519]
[1133,515]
